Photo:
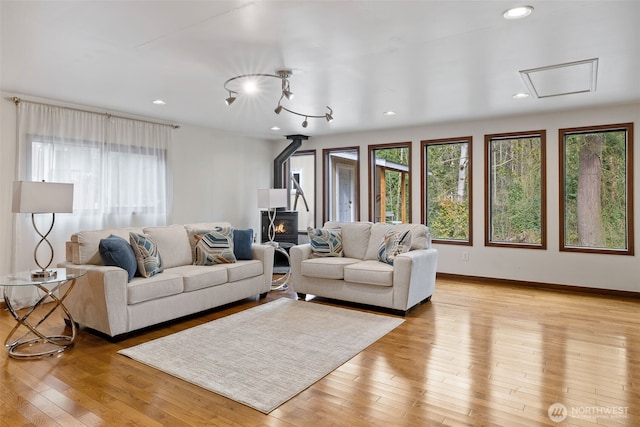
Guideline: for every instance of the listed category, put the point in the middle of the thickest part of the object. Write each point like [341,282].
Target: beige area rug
[266,355]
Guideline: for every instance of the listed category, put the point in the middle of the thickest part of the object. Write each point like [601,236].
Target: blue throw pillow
[242,241]
[116,251]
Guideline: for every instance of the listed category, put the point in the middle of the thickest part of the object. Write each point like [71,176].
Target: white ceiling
[430,61]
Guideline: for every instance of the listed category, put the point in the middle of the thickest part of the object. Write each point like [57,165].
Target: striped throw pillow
[325,242]
[147,255]
[214,247]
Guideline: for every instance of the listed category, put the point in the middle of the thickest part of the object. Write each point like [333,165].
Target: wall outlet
[465,256]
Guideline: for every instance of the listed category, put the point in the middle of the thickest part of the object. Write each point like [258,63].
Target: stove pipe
[278,162]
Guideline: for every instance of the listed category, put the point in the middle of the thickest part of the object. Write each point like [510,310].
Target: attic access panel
[562,79]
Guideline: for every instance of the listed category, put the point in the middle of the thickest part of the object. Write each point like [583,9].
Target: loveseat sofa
[385,265]
[107,300]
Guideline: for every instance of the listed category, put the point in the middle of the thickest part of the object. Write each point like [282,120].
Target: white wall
[543,266]
[214,176]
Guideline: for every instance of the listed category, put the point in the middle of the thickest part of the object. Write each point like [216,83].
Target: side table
[33,343]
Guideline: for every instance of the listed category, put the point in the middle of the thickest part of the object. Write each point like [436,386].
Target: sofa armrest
[99,298]
[265,254]
[297,254]
[414,277]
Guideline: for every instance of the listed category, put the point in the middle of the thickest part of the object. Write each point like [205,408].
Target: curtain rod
[17,101]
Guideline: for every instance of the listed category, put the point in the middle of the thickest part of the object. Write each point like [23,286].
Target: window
[302,166]
[389,182]
[446,173]
[515,180]
[86,164]
[118,165]
[341,195]
[596,197]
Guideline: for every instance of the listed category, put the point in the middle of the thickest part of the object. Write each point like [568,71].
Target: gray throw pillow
[116,251]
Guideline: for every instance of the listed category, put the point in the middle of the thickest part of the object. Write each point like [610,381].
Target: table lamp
[270,199]
[42,198]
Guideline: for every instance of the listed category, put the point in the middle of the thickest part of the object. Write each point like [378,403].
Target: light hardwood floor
[478,354]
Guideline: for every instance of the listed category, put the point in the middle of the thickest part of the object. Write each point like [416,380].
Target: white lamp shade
[42,197]
[272,198]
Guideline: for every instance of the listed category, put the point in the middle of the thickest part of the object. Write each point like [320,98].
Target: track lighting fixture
[283,75]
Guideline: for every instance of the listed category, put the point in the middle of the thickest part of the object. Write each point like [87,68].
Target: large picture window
[446,173]
[87,163]
[389,182]
[596,197]
[515,180]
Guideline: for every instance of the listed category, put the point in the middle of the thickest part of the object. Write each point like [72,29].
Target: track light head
[286,89]
[305,123]
[230,99]
[329,115]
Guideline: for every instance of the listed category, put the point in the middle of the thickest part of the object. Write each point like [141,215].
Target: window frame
[424,163]
[488,139]
[630,237]
[372,148]
[326,180]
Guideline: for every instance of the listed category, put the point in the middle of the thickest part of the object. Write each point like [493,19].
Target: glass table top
[24,278]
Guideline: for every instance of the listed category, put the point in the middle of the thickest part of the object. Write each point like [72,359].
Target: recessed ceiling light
[275,128]
[517,12]
[159,102]
[520,95]
[389,113]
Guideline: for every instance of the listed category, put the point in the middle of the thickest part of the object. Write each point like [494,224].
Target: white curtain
[118,167]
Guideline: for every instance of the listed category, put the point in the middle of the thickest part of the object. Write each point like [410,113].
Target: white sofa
[104,300]
[358,276]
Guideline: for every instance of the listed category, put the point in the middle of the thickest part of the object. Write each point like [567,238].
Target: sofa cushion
[244,270]
[196,277]
[85,244]
[394,244]
[419,237]
[214,247]
[242,241]
[147,254]
[116,251]
[173,244]
[326,268]
[159,286]
[370,273]
[355,237]
[325,242]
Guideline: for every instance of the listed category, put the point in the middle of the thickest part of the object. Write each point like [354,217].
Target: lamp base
[43,274]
